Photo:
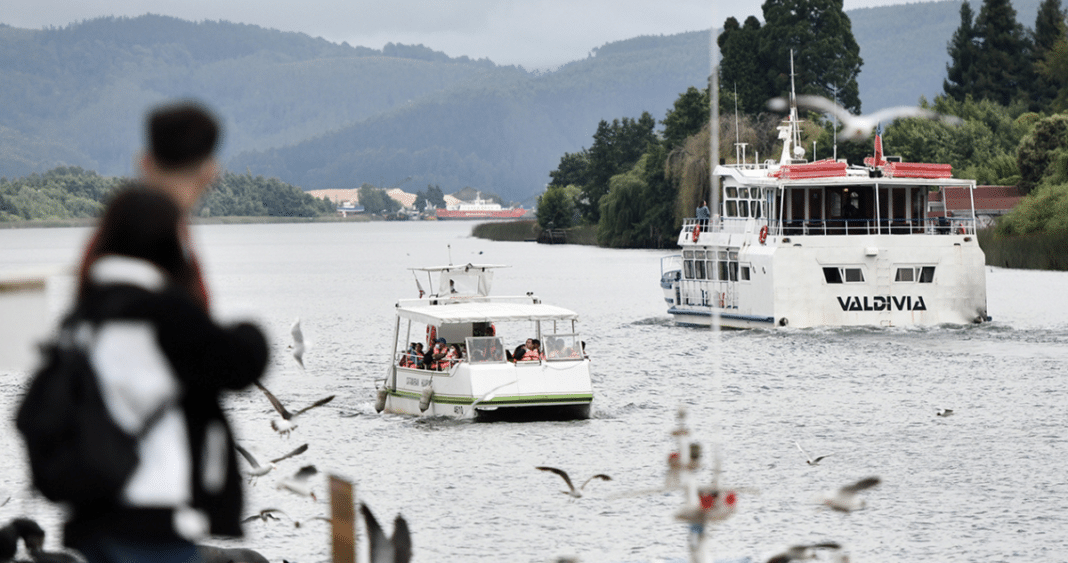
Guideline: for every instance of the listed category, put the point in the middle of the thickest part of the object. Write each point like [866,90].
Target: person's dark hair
[182,134]
[143,223]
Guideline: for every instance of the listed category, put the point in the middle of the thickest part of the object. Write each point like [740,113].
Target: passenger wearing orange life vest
[434,358]
[533,353]
[452,356]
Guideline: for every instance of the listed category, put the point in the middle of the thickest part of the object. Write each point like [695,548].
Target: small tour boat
[807,244]
[484,380]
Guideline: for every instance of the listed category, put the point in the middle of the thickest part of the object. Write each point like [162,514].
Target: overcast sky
[531,33]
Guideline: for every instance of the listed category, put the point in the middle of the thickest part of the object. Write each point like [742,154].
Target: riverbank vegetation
[69,194]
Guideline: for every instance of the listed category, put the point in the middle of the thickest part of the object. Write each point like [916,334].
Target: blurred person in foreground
[160,359]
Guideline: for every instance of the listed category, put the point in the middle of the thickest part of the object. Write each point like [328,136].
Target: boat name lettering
[882,303]
[417,382]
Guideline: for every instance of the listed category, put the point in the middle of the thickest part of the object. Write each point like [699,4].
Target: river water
[986,484]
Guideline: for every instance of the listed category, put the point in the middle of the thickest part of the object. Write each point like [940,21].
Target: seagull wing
[248,456]
[305,472]
[821,104]
[275,402]
[803,452]
[559,472]
[600,476]
[295,452]
[318,403]
[897,112]
[866,483]
[298,336]
[381,549]
[402,541]
[820,458]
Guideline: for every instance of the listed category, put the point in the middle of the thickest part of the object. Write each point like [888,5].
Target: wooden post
[343,520]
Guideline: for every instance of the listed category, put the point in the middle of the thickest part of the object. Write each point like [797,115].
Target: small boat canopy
[437,315]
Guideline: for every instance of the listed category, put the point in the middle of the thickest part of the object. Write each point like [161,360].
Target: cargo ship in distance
[480,209]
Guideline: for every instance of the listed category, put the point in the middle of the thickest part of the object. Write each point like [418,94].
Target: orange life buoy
[696,232]
[763,234]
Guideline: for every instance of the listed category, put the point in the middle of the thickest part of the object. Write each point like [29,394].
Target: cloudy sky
[532,33]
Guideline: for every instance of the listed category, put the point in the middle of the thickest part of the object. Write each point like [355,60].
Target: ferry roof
[484,312]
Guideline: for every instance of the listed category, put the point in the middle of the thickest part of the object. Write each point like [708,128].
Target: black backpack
[77,453]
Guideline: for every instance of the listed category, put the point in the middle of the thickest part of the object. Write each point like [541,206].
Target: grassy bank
[1032,252]
[530,231]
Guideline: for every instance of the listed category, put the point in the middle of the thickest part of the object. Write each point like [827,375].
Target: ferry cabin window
[484,350]
[687,269]
[843,275]
[699,269]
[562,347]
[744,273]
[924,274]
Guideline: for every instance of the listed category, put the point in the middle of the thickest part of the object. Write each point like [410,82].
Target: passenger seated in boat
[555,347]
[533,353]
[433,358]
[407,358]
[452,356]
[521,350]
[416,358]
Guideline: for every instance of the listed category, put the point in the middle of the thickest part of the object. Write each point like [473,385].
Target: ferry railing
[708,293]
[838,227]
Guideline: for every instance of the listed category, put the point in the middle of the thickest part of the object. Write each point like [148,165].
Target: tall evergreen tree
[963,52]
[616,148]
[1003,64]
[826,56]
[1049,29]
[739,67]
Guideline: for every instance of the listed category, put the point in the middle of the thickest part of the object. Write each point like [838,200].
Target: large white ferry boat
[485,381]
[806,244]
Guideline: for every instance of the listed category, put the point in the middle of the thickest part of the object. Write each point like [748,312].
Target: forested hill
[323,115]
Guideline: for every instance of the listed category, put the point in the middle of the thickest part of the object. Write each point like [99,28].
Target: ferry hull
[470,215]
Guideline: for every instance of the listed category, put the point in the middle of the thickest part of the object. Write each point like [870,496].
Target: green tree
[574,169]
[826,56]
[1003,62]
[1039,150]
[616,147]
[1048,32]
[688,116]
[556,208]
[963,52]
[375,201]
[432,196]
[740,70]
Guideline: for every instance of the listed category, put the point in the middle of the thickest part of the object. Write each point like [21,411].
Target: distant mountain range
[322,115]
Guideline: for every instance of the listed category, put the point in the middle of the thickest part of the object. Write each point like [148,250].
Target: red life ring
[696,232]
[763,234]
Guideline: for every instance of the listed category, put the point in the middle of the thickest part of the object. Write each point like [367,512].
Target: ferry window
[723,275]
[832,275]
[927,274]
[699,269]
[732,192]
[745,273]
[710,269]
[687,254]
[854,275]
[563,347]
[743,193]
[722,255]
[734,256]
[699,255]
[733,271]
[905,275]
[485,350]
[687,268]
[836,204]
[732,208]
[743,209]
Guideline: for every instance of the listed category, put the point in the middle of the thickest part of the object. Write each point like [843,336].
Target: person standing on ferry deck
[703,214]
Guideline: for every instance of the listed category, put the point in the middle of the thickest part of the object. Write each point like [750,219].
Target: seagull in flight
[298,484]
[859,127]
[573,492]
[289,419]
[258,470]
[265,515]
[298,343]
[846,499]
[800,552]
[943,412]
[809,459]
[384,549]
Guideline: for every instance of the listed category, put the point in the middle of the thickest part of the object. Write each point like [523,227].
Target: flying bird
[396,549]
[846,499]
[299,484]
[266,515]
[258,470]
[288,422]
[943,412]
[809,459]
[298,343]
[801,552]
[859,127]
[573,492]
